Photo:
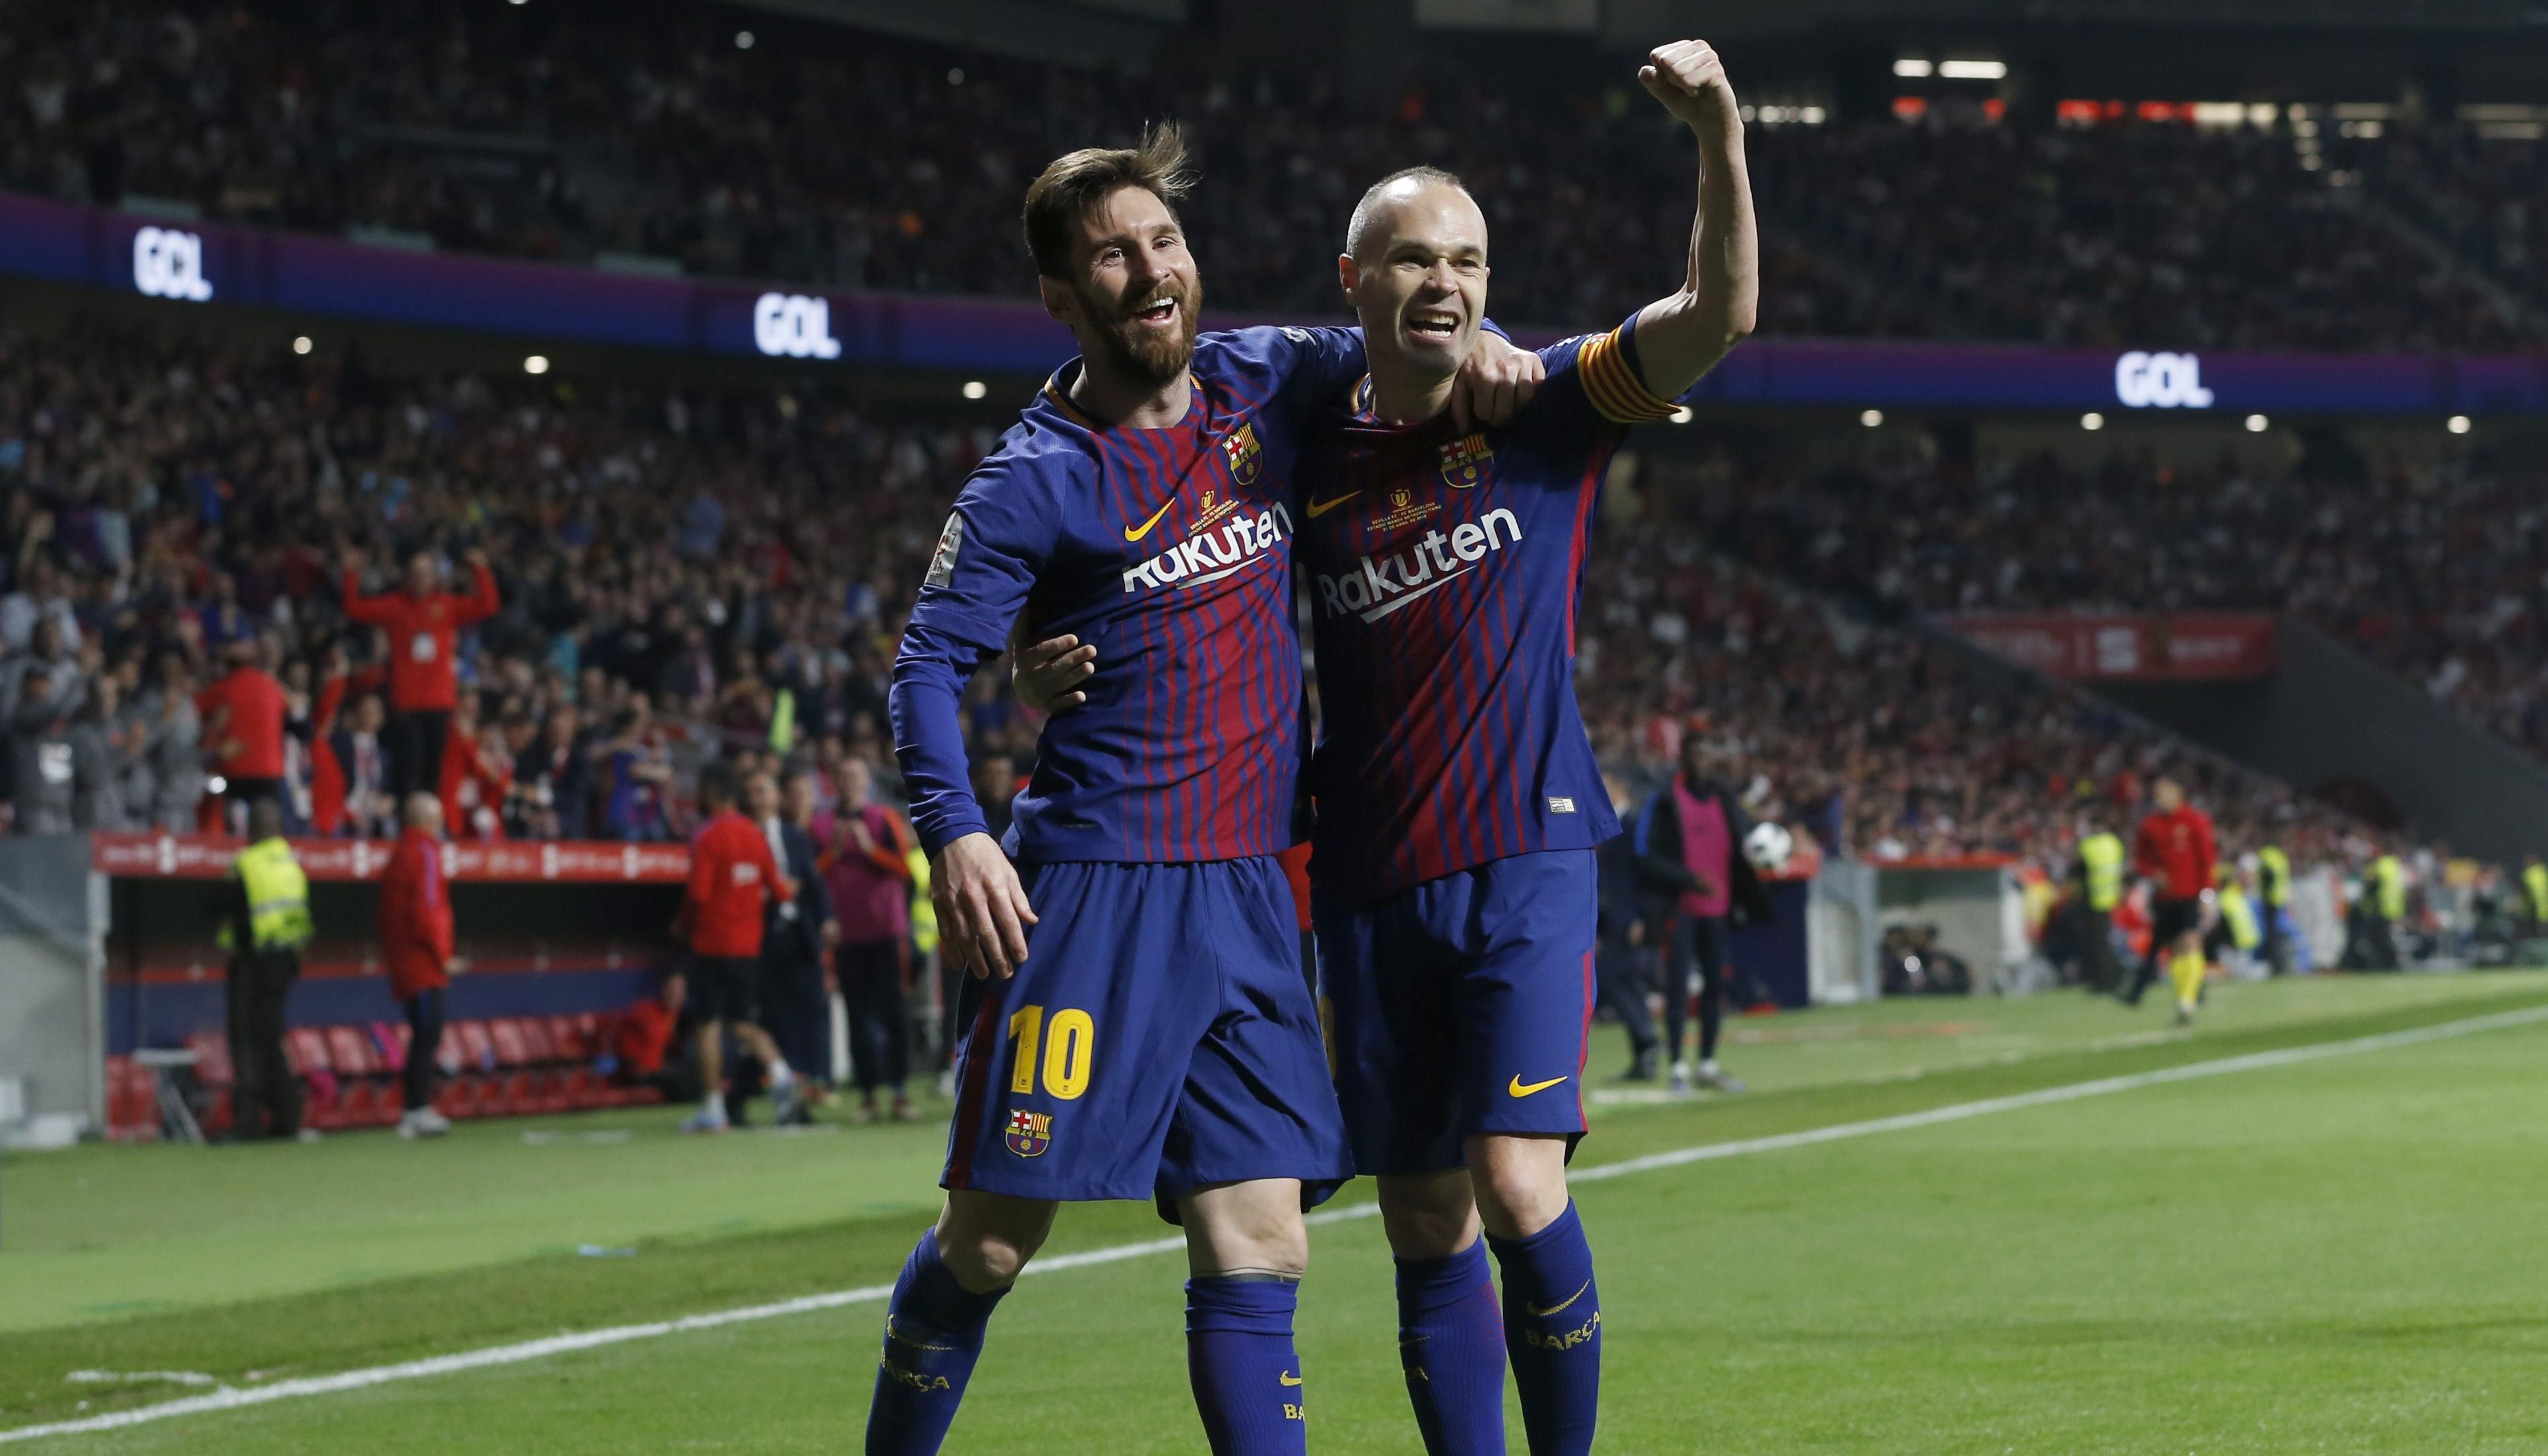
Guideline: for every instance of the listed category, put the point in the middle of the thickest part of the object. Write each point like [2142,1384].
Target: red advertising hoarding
[2126,647]
[208,856]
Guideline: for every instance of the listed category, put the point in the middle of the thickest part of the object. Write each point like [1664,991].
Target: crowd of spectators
[1879,741]
[2486,197]
[677,576]
[2140,235]
[2435,568]
[855,160]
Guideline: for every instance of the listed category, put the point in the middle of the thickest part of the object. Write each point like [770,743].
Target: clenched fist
[1689,78]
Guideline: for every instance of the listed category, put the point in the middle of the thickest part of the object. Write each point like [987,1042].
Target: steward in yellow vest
[2238,913]
[2388,888]
[2274,875]
[277,899]
[2274,891]
[2091,914]
[924,911]
[2101,871]
[266,924]
[2383,903]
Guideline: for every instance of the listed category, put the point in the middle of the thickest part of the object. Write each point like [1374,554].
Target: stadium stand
[2478,187]
[607,554]
[2432,567]
[2136,233]
[649,588]
[1885,743]
[649,139]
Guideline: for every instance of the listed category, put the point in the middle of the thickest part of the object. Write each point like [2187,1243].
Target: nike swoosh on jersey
[1520,1088]
[1287,1377]
[1537,1313]
[1135,533]
[1320,508]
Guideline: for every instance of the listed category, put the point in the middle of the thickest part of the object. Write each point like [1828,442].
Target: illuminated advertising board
[553,303]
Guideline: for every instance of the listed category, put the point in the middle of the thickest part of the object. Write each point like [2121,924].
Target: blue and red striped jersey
[1445,570]
[1170,550]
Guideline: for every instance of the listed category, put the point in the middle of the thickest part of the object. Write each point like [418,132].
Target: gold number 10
[1067,1051]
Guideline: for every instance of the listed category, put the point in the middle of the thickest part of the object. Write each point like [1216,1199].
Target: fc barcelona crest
[1464,462]
[1239,446]
[1030,1133]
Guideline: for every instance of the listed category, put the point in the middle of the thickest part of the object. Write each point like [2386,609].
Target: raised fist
[1689,78]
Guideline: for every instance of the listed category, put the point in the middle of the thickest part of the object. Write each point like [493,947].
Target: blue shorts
[1460,1007]
[1160,1037]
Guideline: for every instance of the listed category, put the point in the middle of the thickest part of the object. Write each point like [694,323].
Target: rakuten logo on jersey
[1237,543]
[1384,584]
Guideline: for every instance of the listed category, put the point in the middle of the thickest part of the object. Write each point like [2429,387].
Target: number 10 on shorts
[1067,1044]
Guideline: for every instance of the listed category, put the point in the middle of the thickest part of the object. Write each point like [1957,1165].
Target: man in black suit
[364,761]
[1624,950]
[800,931]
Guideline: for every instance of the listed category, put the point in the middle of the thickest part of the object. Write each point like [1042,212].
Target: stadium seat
[313,1061]
[211,1059]
[214,1076]
[536,1044]
[504,1033]
[131,1102]
[581,1086]
[536,1083]
[567,1035]
[363,1088]
[468,1054]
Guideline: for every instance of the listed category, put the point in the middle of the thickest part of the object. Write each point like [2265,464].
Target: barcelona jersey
[1444,573]
[1170,551]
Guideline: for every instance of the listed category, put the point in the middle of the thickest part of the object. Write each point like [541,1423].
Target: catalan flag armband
[1610,382]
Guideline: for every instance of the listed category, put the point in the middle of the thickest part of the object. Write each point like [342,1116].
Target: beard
[1141,353]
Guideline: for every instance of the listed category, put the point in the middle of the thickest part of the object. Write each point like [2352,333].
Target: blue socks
[1553,1331]
[1246,1376]
[1451,1343]
[933,1334]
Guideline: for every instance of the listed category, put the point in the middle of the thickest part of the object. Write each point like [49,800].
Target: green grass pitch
[2339,1254]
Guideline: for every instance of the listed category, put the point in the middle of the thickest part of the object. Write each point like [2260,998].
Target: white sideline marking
[233,1398]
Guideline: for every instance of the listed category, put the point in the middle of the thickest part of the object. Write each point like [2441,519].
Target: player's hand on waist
[982,910]
[1495,384]
[1048,675]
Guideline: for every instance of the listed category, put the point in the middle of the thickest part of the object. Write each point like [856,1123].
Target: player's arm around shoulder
[1308,363]
[1321,364]
[1680,337]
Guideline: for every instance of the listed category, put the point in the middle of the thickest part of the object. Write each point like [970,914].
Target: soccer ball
[1767,846]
